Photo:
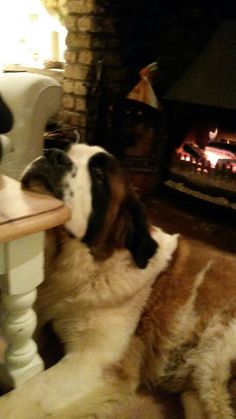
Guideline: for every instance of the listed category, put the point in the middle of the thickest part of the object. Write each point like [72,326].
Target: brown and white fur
[135,307]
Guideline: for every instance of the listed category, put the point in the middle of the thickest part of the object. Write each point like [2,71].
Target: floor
[206,223]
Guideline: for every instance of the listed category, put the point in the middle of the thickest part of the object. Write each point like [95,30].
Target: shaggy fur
[134,307]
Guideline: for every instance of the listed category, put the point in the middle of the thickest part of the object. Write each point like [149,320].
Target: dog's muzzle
[45,174]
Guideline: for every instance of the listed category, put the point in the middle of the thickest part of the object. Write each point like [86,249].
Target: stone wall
[92,46]
[125,36]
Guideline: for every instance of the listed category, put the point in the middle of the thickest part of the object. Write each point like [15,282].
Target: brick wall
[125,36]
[91,39]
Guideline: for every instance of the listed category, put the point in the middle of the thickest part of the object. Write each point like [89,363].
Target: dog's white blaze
[186,316]
[81,153]
[80,201]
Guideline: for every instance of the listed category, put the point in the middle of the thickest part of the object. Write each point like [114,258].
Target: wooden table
[24,217]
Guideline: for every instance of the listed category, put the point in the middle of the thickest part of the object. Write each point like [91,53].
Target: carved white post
[21,271]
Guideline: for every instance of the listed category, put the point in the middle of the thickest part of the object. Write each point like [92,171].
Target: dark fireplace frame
[183,117]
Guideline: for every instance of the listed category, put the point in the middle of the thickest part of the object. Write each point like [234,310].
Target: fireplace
[108,42]
[202,157]
[202,116]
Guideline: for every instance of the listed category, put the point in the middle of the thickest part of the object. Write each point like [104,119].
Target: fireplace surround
[201,156]
[202,109]
[108,42]
[194,139]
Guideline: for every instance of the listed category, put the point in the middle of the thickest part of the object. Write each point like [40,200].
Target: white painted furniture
[24,216]
[33,100]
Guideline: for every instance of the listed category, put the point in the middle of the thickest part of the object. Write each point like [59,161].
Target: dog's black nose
[57,157]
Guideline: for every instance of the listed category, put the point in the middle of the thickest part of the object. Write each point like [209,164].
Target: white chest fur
[101,300]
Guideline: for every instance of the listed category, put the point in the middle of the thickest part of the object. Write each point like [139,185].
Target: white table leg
[21,271]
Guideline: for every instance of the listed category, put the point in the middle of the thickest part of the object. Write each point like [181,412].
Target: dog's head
[105,214]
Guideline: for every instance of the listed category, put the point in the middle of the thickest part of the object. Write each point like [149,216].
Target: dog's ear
[118,218]
[138,240]
[126,226]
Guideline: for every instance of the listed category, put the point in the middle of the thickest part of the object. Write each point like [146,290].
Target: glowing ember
[213,134]
[214,155]
[185,157]
[209,156]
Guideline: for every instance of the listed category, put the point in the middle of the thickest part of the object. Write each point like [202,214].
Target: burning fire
[209,157]
[213,134]
[214,155]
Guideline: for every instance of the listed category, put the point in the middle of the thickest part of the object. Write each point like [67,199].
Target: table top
[25,212]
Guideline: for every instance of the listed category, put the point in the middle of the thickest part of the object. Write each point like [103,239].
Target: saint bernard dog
[134,307]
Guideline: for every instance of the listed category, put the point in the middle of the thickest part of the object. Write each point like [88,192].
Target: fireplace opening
[193,72]
[202,115]
[202,155]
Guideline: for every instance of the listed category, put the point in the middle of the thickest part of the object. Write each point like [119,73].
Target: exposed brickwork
[68,102]
[91,38]
[126,36]
[81,6]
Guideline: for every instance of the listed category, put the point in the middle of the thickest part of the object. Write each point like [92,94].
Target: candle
[55,46]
